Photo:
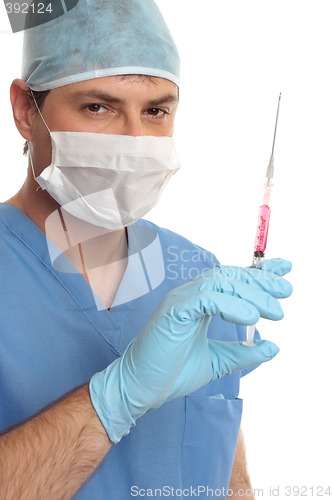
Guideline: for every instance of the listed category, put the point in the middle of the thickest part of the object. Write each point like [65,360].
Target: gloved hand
[172,356]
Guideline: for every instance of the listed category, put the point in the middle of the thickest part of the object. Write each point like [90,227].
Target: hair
[39,98]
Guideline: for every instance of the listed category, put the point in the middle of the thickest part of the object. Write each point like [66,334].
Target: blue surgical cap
[99,38]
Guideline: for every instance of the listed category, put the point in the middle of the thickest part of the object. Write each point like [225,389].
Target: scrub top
[54,336]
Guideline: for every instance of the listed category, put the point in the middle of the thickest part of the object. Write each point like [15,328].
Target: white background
[237,56]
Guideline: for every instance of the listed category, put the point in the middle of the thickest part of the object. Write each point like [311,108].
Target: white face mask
[108,180]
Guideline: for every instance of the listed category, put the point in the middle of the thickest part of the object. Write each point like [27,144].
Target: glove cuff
[109,402]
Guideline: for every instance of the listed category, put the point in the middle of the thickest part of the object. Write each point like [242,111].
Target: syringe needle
[276,123]
[270,167]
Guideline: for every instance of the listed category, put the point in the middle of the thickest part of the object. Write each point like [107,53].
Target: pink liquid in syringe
[262,229]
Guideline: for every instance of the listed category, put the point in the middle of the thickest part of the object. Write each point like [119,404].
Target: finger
[267,281]
[267,306]
[230,308]
[228,357]
[260,278]
[277,266]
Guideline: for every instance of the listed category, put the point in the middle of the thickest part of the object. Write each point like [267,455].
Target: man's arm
[53,454]
[240,483]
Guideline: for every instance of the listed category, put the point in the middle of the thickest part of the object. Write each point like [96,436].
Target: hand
[172,356]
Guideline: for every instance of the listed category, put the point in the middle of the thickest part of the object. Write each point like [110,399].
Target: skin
[240,484]
[53,454]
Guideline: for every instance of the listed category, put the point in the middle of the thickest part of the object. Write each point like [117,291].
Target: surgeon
[119,373]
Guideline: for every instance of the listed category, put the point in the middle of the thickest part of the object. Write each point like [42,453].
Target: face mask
[108,180]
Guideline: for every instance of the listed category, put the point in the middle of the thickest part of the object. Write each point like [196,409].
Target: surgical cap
[99,38]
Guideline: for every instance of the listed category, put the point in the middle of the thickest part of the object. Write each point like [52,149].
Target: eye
[97,109]
[157,112]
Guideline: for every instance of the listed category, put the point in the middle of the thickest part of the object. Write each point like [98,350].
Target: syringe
[263,222]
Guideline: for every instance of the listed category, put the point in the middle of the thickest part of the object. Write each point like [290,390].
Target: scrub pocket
[211,433]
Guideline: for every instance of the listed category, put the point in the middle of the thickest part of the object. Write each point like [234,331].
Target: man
[119,376]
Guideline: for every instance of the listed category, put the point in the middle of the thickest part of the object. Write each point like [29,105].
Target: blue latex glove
[172,356]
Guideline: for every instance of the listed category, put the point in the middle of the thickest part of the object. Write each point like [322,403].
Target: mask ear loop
[29,149]
[39,112]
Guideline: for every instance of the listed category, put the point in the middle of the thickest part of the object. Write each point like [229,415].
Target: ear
[23,109]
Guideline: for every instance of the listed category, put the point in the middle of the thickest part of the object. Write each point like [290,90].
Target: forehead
[120,86]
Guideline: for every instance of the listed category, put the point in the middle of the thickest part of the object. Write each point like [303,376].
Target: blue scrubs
[53,338]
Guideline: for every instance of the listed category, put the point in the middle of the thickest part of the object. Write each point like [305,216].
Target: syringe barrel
[262,228]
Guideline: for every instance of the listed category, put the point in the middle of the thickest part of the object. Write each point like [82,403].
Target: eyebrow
[97,94]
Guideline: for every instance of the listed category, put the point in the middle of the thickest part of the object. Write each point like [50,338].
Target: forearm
[53,454]
[240,484]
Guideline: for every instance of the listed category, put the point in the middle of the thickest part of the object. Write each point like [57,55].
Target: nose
[132,125]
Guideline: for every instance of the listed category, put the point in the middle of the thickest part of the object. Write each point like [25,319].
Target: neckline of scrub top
[144,270]
[20,225]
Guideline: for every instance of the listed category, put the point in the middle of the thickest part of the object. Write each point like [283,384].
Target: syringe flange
[258,259]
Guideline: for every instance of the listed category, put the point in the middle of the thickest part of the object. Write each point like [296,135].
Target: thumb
[228,357]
